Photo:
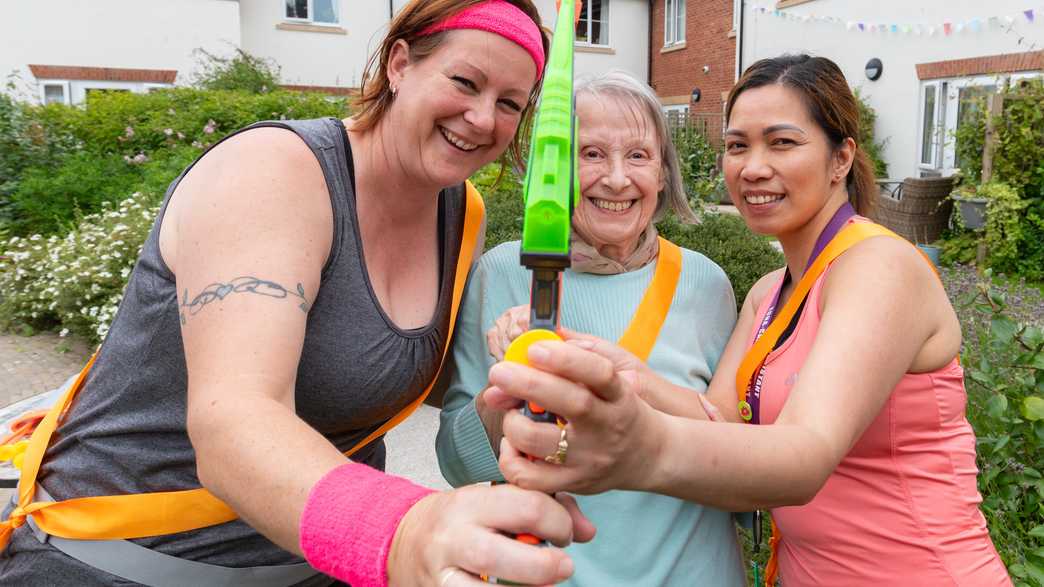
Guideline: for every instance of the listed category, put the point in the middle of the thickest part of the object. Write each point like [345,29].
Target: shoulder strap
[642,332]
[152,514]
[849,236]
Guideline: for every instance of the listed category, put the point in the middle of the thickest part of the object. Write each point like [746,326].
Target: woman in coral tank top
[861,451]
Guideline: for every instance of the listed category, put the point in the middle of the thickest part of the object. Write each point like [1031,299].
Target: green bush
[698,160]
[29,136]
[727,241]
[867,136]
[970,138]
[48,201]
[1020,139]
[504,205]
[1004,362]
[242,71]
[74,282]
[59,162]
[1014,234]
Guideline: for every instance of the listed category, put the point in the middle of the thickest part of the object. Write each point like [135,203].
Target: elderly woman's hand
[612,434]
[450,538]
[509,326]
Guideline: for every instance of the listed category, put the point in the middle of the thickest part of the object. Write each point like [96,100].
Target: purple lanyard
[843,214]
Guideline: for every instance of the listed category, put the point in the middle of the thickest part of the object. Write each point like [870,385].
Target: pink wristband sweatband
[350,519]
[502,18]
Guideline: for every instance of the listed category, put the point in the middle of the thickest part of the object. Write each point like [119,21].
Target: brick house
[693,59]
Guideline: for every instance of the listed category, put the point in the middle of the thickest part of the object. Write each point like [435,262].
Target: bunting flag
[947,28]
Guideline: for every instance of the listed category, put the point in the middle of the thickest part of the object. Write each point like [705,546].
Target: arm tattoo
[215,292]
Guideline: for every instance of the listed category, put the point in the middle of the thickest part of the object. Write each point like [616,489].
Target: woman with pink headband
[295,297]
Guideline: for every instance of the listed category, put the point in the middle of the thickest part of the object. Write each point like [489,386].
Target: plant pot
[973,211]
[932,252]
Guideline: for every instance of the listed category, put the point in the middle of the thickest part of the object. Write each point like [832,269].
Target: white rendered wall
[628,39]
[896,95]
[139,34]
[316,58]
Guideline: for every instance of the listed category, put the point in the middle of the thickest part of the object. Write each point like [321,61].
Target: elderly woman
[628,178]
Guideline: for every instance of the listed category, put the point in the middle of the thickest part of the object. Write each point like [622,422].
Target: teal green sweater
[643,538]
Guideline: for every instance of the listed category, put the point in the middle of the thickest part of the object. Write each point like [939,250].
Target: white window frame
[676,112]
[67,95]
[311,12]
[672,35]
[938,124]
[944,147]
[605,26]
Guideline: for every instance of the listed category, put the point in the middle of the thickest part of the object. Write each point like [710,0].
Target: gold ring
[559,458]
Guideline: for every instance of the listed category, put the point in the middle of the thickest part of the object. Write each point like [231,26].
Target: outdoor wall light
[874,68]
[696,94]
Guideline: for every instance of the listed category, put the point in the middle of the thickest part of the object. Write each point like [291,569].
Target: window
[677,115]
[944,106]
[56,93]
[314,11]
[593,28]
[970,99]
[674,23]
[928,127]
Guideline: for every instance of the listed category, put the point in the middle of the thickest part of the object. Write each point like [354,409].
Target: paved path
[30,365]
[34,364]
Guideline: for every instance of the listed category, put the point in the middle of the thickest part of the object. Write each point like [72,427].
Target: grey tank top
[126,431]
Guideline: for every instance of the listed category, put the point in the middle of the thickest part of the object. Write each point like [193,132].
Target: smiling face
[458,108]
[620,174]
[780,168]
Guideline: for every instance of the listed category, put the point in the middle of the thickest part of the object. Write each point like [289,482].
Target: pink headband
[502,18]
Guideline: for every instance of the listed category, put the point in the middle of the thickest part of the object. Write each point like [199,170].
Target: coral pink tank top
[902,507]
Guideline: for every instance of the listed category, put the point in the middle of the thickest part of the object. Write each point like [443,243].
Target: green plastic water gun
[551,185]
[552,190]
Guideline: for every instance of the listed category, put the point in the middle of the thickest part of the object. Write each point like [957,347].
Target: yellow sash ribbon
[114,517]
[849,236]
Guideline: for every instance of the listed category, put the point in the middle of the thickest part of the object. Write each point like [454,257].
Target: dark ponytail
[830,103]
[862,184]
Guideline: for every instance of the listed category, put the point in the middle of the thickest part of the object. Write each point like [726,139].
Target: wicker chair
[919,210]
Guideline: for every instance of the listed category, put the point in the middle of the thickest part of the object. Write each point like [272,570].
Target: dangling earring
[394,90]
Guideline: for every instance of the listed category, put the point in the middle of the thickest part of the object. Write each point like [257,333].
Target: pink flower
[209,128]
[128,132]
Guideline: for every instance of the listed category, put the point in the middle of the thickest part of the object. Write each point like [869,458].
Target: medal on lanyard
[750,406]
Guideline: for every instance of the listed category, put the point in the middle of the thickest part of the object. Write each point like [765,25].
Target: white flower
[64,333]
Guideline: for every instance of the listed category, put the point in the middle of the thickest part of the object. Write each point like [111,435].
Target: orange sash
[848,237]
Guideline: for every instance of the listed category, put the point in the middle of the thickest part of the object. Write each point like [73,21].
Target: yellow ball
[518,350]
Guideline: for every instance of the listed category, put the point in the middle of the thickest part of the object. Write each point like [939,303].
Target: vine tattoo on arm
[216,292]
